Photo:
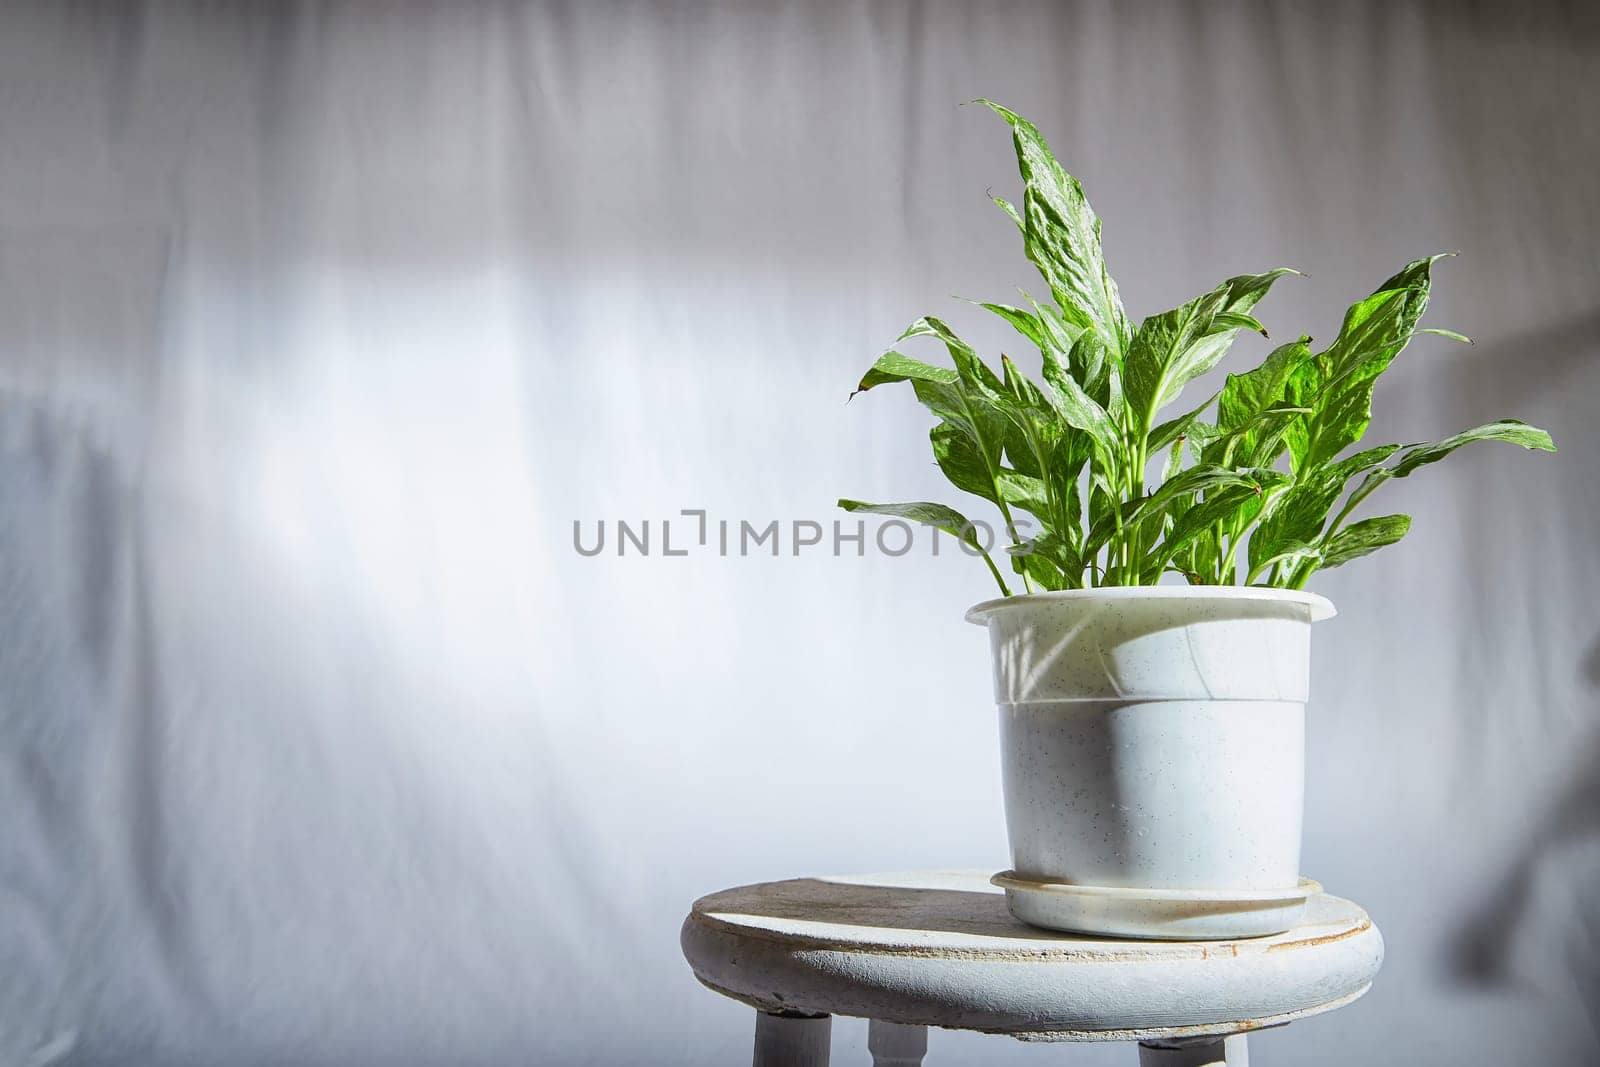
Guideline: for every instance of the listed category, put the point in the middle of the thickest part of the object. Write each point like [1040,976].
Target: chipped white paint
[941,949]
[1154,737]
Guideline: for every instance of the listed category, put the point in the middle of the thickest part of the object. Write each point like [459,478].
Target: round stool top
[940,949]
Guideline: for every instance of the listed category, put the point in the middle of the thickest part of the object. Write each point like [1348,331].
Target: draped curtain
[321,325]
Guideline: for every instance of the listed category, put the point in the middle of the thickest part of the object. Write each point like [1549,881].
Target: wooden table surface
[940,949]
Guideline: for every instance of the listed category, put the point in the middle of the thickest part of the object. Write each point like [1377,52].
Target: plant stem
[1011,531]
[1361,493]
[1233,544]
[1228,561]
[996,572]
[1133,548]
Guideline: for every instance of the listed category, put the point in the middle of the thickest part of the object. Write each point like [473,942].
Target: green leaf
[1050,561]
[1196,479]
[1062,235]
[939,516]
[1300,513]
[974,410]
[1196,559]
[894,367]
[1174,461]
[1288,552]
[987,419]
[1022,392]
[1259,442]
[957,452]
[1010,209]
[1060,333]
[1364,537]
[1414,274]
[1103,505]
[1025,491]
[1174,492]
[1044,572]
[1024,322]
[1416,456]
[1160,358]
[1245,396]
[1251,417]
[1034,428]
[1245,291]
[1337,383]
[1239,321]
[970,447]
[1092,364]
[1512,430]
[1044,445]
[1175,347]
[1364,460]
[1224,505]
[1297,517]
[973,400]
[971,369]
[1173,429]
[1081,412]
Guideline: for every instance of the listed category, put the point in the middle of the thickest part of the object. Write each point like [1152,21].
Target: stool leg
[1232,1051]
[896,1045]
[790,1039]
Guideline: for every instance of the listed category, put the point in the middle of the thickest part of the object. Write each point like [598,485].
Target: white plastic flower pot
[1153,754]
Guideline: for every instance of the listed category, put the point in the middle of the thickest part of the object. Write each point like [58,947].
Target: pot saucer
[1156,914]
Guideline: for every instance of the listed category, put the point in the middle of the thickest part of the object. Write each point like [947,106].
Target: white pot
[1154,737]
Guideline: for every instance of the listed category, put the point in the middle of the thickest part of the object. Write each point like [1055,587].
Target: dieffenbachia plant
[1260,492]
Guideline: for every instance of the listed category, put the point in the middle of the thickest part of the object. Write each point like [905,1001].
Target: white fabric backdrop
[319,326]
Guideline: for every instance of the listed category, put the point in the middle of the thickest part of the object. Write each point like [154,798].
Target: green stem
[1228,564]
[1133,547]
[1303,572]
[996,572]
[1118,547]
[994,484]
[1233,545]
[1011,532]
[1238,535]
[1363,491]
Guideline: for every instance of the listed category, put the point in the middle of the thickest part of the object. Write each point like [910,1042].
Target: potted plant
[1152,734]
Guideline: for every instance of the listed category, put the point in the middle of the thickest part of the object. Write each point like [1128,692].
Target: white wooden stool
[909,951]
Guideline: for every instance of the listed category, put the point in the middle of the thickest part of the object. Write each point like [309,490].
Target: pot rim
[1321,607]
